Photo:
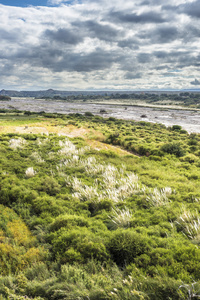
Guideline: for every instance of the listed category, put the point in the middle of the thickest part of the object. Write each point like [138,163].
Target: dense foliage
[4,98]
[187,99]
[83,223]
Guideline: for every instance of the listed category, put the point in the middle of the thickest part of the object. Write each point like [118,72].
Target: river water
[187,119]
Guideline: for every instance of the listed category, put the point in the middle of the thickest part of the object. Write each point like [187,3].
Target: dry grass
[120,218]
[97,145]
[93,138]
[190,223]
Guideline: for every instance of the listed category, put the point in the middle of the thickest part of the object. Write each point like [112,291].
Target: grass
[100,215]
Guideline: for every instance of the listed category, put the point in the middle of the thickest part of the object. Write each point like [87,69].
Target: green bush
[126,245]
[88,114]
[85,244]
[49,185]
[176,127]
[173,148]
[68,221]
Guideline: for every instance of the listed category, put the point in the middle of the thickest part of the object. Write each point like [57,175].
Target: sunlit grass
[120,218]
[190,223]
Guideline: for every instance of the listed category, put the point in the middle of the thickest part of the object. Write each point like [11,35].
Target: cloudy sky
[102,44]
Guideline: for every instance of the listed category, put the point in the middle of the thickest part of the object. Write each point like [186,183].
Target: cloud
[160,35]
[148,17]
[100,44]
[101,31]
[10,36]
[191,9]
[144,58]
[132,75]
[58,2]
[132,43]
[63,35]
[195,82]
[59,60]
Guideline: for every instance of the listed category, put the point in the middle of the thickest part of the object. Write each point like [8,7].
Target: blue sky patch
[24,3]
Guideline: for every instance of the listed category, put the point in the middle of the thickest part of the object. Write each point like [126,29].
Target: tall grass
[30,172]
[120,218]
[17,143]
[190,224]
[159,197]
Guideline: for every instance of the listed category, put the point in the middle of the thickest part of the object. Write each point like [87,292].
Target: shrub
[191,158]
[173,148]
[68,221]
[126,245]
[88,114]
[49,185]
[176,127]
[79,244]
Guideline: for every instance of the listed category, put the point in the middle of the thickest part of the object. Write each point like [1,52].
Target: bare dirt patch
[31,129]
[101,146]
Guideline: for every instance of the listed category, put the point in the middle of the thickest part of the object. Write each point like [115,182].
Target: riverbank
[188,119]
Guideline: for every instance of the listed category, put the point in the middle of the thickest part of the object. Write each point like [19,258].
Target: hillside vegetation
[95,208]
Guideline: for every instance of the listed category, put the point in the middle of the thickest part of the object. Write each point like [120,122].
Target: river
[187,119]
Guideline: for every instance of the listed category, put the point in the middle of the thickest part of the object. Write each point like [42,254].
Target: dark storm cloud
[168,55]
[58,60]
[95,29]
[102,32]
[63,35]
[97,60]
[131,43]
[10,35]
[160,35]
[176,59]
[165,34]
[192,31]
[145,2]
[192,9]
[151,2]
[144,58]
[6,69]
[132,75]
[149,17]
[169,7]
[195,82]
[128,40]
[160,54]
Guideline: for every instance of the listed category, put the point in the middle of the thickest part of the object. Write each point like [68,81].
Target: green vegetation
[78,222]
[186,99]
[4,98]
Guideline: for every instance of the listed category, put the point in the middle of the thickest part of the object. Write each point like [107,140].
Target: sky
[99,45]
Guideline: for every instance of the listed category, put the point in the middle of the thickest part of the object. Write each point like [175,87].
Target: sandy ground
[188,119]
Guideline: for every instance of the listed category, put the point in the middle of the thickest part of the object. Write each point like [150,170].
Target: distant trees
[4,98]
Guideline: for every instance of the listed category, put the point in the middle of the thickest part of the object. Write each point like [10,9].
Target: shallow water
[187,119]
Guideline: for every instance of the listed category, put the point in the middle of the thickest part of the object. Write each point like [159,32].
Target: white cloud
[107,44]
[58,2]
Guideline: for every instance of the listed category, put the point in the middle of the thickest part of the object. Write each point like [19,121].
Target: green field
[98,208]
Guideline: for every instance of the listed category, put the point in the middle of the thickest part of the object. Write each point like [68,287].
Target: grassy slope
[86,230]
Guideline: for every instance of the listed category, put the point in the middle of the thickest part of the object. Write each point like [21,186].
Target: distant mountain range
[48,93]
[51,93]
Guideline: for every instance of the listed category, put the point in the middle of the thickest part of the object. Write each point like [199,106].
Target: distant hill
[50,93]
